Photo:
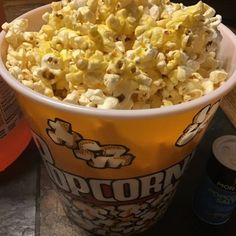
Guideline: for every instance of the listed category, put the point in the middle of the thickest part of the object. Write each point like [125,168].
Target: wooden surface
[229,103]
[14,8]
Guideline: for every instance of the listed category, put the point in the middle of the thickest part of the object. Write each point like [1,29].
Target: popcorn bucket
[117,170]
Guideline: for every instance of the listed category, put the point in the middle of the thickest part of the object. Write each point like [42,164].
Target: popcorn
[113,23]
[154,12]
[111,81]
[15,31]
[218,76]
[109,103]
[52,62]
[119,54]
[208,86]
[92,98]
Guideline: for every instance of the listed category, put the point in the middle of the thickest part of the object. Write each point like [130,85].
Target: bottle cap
[224,149]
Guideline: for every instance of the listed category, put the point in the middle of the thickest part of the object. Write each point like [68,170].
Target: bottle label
[9,110]
[223,177]
[215,199]
[213,204]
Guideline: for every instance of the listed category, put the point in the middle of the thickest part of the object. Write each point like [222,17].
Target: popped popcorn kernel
[119,54]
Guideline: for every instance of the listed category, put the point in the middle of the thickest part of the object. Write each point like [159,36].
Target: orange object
[15,135]
[14,132]
[14,144]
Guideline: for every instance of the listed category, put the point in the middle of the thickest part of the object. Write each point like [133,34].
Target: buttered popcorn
[119,54]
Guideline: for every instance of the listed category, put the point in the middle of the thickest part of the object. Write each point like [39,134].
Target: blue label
[213,204]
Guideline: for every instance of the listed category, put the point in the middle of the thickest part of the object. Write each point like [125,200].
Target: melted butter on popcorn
[119,54]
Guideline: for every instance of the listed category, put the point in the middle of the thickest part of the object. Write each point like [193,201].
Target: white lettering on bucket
[113,190]
[43,148]
[58,177]
[126,190]
[77,184]
[174,173]
[152,184]
[98,189]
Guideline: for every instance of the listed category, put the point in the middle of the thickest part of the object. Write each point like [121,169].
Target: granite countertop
[29,206]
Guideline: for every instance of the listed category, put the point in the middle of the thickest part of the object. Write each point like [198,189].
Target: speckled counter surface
[18,195]
[29,205]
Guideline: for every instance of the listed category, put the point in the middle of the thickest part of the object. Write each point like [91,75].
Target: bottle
[215,199]
[15,134]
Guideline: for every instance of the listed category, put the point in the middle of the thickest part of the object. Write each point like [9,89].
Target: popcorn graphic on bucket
[120,220]
[116,170]
[96,155]
[201,120]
